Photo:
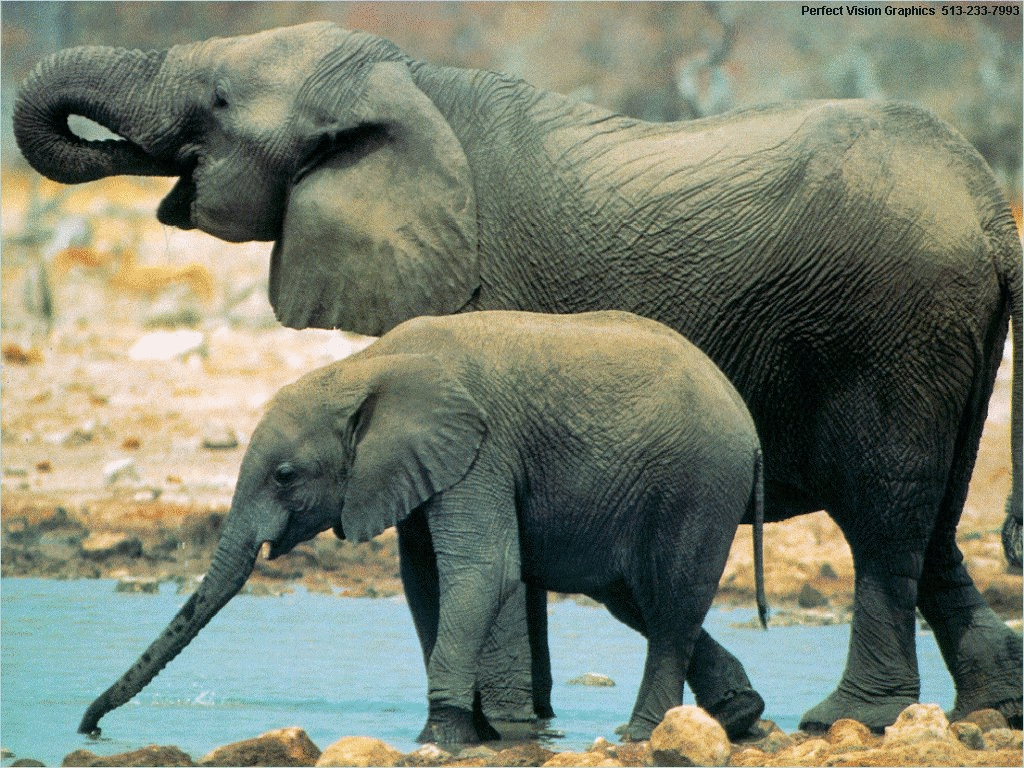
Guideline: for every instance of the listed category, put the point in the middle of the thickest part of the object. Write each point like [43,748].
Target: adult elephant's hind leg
[983,655]
[888,539]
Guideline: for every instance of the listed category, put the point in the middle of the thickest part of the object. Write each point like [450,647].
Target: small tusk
[265,550]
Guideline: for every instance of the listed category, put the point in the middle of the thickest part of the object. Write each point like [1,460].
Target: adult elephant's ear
[416,433]
[381,227]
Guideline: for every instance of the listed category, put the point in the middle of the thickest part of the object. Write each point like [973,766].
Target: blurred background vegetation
[658,61]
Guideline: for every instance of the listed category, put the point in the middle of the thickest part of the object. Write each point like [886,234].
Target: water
[335,667]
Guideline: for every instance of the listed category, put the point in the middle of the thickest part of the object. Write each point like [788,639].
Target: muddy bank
[142,543]
[921,736]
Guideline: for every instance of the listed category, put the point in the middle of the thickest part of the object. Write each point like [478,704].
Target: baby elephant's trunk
[231,566]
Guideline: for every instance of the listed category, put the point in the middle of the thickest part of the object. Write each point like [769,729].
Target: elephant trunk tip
[90,720]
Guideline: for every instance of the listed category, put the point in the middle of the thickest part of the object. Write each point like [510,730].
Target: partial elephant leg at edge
[983,655]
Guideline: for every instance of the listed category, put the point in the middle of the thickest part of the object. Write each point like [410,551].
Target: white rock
[167,345]
[689,736]
[917,723]
[122,470]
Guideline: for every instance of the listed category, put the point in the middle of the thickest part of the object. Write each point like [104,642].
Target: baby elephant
[599,453]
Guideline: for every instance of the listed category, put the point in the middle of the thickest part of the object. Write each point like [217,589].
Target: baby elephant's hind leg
[673,624]
[721,686]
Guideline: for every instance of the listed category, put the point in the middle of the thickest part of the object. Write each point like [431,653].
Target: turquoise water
[335,667]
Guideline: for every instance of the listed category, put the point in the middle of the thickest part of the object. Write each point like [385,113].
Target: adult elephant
[851,266]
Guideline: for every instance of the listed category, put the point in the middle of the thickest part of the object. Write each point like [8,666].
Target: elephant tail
[758,527]
[1009,267]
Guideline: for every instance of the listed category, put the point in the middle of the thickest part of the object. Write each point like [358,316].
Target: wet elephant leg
[504,688]
[983,655]
[881,678]
[721,687]
[719,683]
[506,681]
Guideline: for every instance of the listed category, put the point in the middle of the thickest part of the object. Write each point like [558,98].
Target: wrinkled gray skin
[851,266]
[599,453]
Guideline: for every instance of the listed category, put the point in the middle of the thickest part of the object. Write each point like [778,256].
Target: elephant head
[355,447]
[257,128]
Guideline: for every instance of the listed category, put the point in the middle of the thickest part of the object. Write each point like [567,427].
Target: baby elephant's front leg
[477,550]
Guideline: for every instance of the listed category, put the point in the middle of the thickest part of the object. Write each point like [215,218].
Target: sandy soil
[108,467]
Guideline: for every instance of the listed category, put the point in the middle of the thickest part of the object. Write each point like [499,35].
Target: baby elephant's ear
[416,434]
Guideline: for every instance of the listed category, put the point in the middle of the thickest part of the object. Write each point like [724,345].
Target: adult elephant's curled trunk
[111,86]
[232,563]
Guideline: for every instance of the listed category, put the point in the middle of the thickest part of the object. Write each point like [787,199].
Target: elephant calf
[599,453]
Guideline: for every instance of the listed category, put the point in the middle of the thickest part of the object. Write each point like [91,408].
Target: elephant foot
[1011,709]
[451,725]
[874,712]
[543,711]
[635,730]
[737,711]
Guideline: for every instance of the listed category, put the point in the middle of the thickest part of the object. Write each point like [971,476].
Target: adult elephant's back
[850,265]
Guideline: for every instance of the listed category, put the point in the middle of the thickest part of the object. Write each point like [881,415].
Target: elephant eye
[285,475]
[220,96]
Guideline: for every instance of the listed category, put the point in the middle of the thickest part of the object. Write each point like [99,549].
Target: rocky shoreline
[687,736]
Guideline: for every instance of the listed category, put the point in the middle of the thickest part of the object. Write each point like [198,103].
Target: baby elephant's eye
[285,474]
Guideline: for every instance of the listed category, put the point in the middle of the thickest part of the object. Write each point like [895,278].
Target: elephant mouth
[177,208]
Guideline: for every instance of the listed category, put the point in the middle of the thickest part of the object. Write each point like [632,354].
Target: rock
[1003,594]
[774,742]
[968,734]
[827,572]
[120,471]
[102,546]
[282,747]
[689,736]
[582,758]
[138,586]
[481,751]
[808,752]
[847,734]
[219,437]
[427,755]
[764,736]
[80,757]
[152,755]
[80,435]
[809,597]
[635,753]
[360,750]
[27,762]
[918,723]
[529,753]
[751,756]
[167,345]
[987,719]
[1004,738]
[593,679]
